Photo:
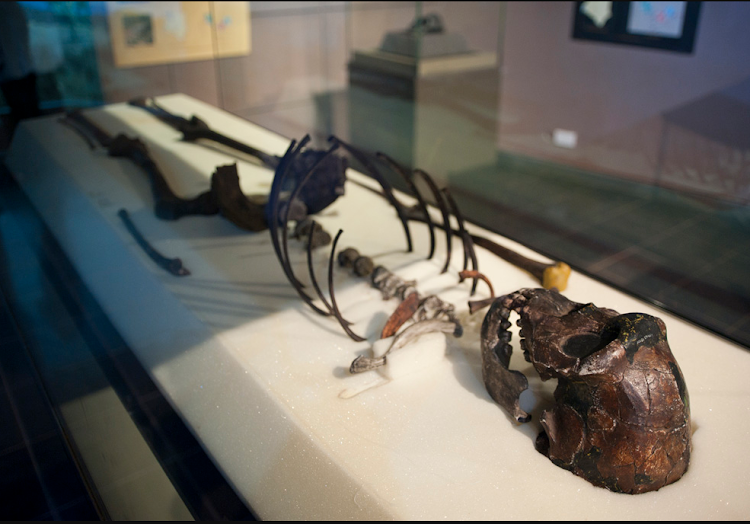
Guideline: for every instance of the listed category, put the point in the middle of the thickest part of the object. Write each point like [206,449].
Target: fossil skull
[621,418]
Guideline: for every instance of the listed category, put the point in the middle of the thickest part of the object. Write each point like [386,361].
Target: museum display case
[377,260]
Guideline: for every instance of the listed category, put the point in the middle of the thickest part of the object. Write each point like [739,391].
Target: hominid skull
[621,418]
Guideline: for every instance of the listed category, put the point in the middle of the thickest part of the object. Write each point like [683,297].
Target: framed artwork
[662,25]
[149,33]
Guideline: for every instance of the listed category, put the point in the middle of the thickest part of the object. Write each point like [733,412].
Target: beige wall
[299,49]
[614,96]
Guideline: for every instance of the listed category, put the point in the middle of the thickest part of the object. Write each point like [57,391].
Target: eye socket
[579,346]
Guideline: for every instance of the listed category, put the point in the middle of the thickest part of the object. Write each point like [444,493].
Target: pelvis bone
[621,418]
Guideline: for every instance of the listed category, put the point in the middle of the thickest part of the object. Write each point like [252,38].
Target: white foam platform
[257,375]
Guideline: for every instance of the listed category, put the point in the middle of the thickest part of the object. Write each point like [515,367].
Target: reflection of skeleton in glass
[138,30]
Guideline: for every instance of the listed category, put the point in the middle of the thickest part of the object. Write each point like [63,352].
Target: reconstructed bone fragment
[430,314]
[362,363]
[403,313]
[621,418]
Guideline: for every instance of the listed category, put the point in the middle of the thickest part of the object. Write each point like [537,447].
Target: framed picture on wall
[662,25]
[150,33]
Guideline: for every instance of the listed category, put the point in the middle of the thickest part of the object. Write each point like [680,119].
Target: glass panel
[98,437]
[426,96]
[612,136]
[628,163]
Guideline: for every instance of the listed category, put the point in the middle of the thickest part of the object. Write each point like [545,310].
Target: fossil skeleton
[621,418]
[249,212]
[429,314]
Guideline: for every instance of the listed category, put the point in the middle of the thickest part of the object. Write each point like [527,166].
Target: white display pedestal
[257,375]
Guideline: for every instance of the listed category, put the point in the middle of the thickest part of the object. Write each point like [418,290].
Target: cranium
[621,418]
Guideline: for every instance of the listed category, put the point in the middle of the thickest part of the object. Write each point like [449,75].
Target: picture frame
[669,26]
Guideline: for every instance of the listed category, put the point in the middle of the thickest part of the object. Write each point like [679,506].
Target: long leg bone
[194,128]
[167,205]
[549,275]
[225,196]
[330,177]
